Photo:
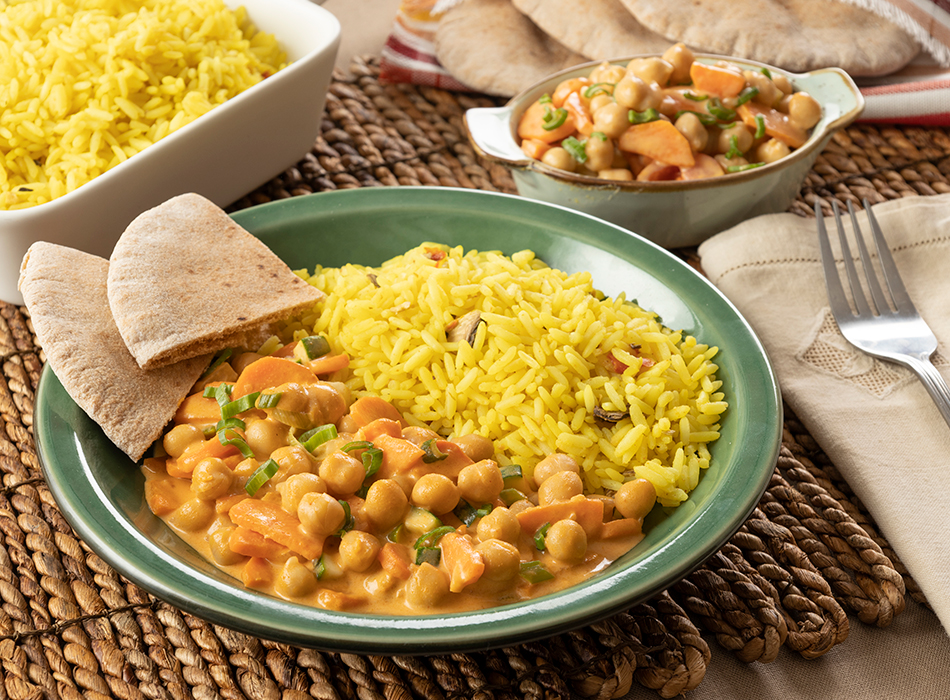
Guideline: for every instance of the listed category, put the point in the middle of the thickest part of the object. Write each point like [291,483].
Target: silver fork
[889,327]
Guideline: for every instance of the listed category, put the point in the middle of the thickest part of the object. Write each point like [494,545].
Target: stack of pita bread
[129,337]
[500,47]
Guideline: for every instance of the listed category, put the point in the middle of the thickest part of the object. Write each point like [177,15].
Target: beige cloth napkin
[873,419]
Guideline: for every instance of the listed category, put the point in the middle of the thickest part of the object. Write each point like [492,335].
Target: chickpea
[566,541]
[600,152]
[771,151]
[320,513]
[782,83]
[803,110]
[192,515]
[631,93]
[615,174]
[241,362]
[611,119]
[211,479]
[681,58]
[559,158]
[436,493]
[476,447]
[500,524]
[601,99]
[607,73]
[480,482]
[219,542]
[358,550]
[342,473]
[562,486]
[743,139]
[552,464]
[651,69]
[292,460]
[246,467]
[180,438]
[265,435]
[417,435]
[385,504]
[426,587]
[689,126]
[295,487]
[768,95]
[726,163]
[295,580]
[635,499]
[502,564]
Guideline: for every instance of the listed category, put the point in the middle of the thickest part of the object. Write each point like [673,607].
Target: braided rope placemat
[808,563]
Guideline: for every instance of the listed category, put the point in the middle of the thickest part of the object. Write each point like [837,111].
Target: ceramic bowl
[672,213]
[222,155]
[101,492]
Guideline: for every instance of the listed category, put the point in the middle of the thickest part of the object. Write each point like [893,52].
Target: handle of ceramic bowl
[838,92]
[490,131]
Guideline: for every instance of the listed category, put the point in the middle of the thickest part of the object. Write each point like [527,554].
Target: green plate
[100,491]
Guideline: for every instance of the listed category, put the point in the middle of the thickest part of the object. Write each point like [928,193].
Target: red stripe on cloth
[940,119]
[897,88]
[404,50]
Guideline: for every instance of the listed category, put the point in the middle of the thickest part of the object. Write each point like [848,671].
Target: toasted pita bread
[797,35]
[65,292]
[597,29]
[493,48]
[174,294]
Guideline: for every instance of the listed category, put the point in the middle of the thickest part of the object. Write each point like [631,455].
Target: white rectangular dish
[222,155]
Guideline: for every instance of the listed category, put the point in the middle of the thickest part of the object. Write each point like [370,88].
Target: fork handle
[934,383]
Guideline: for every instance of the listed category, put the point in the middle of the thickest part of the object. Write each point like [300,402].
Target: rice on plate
[546,364]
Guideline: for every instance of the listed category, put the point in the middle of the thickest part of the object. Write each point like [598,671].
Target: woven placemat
[808,563]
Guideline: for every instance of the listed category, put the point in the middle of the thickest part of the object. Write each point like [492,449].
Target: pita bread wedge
[797,35]
[597,29]
[65,292]
[186,280]
[493,48]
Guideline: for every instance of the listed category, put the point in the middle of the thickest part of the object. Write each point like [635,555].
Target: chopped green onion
[695,98]
[648,115]
[269,400]
[599,135]
[716,109]
[733,151]
[312,439]
[554,119]
[311,347]
[222,357]
[596,88]
[746,95]
[431,538]
[220,393]
[759,126]
[295,419]
[234,423]
[742,168]
[372,460]
[395,534]
[511,471]
[545,99]
[428,555]
[767,73]
[319,567]
[229,436]
[348,520]
[540,535]
[468,514]
[509,496]
[245,403]
[356,445]
[576,148]
[261,476]
[209,431]
[534,572]
[705,119]
[432,452]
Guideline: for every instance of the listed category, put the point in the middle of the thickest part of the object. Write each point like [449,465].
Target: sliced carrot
[589,512]
[254,544]
[455,460]
[716,80]
[198,410]
[776,124]
[329,363]
[465,565]
[269,372]
[257,573]
[394,561]
[163,496]
[655,171]
[225,503]
[334,600]
[285,351]
[366,409]
[576,108]
[622,527]
[531,125]
[659,140]
[185,465]
[533,148]
[566,87]
[272,521]
[399,455]
[380,426]
[705,166]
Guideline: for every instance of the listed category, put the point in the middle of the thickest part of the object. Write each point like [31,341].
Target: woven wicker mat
[807,564]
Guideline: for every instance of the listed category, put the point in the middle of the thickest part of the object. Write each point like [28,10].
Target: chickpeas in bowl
[667,117]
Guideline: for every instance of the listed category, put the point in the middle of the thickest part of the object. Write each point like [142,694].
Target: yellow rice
[537,368]
[86,84]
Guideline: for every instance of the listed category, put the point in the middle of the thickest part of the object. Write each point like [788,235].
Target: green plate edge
[99,490]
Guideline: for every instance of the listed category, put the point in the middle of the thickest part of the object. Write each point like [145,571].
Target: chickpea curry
[279,478]
[668,118]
